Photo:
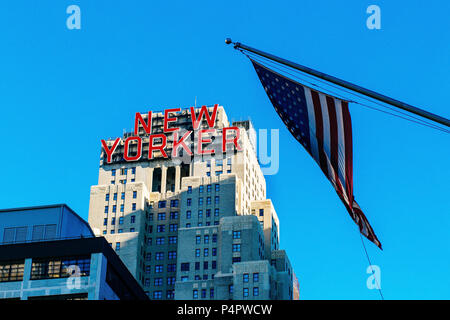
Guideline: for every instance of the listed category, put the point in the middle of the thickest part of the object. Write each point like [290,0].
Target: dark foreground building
[50,253]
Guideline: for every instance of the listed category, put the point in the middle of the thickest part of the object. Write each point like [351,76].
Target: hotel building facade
[193,227]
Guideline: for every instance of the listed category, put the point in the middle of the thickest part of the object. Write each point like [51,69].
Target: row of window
[161,240]
[121,220]
[162,216]
[157,295]
[112,231]
[123,171]
[171,255]
[198,239]
[122,208]
[206,252]
[185,266]
[157,282]
[162,228]
[172,267]
[173,203]
[200,201]
[200,213]
[200,224]
[203,293]
[47,268]
[122,196]
[208,188]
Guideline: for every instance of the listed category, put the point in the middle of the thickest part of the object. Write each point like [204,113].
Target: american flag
[322,124]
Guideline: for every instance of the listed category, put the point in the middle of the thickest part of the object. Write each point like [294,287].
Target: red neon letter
[161,147]
[108,151]
[147,126]
[167,120]
[177,143]
[234,139]
[203,110]
[139,149]
[201,140]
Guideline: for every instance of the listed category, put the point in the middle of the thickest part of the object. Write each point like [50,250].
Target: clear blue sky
[61,91]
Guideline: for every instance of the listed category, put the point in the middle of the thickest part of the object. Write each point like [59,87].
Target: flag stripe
[319,131]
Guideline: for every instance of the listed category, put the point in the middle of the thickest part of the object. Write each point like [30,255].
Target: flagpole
[345,84]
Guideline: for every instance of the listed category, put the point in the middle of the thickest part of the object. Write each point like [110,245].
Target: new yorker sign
[158,142]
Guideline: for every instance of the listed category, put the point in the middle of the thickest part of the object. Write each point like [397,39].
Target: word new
[178,142]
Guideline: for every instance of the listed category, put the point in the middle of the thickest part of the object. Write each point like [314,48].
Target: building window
[208,188]
[148,256]
[115,196]
[112,232]
[113,221]
[133,170]
[133,206]
[205,252]
[170,281]
[208,174]
[147,269]
[184,278]
[197,277]
[185,266]
[200,189]
[217,187]
[256,277]
[261,212]
[172,255]
[170,294]
[173,227]
[133,219]
[236,259]
[206,239]
[197,252]
[194,294]
[114,208]
[172,240]
[214,264]
[160,240]
[105,221]
[208,213]
[161,228]
[189,202]
[216,199]
[11,271]
[214,238]
[134,194]
[174,203]
[159,268]
[214,252]
[189,191]
[120,220]
[122,207]
[236,234]
[159,256]
[157,295]
[208,200]
[117,246]
[200,201]
[255,291]
[113,172]
[174,215]
[198,239]
[245,292]
[172,267]
[245,277]
[197,266]
[211,292]
[188,225]
[162,204]
[107,197]
[230,289]
[200,213]
[106,209]
[161,216]
[188,214]
[157,282]
[203,293]
[59,267]
[205,265]
[216,212]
